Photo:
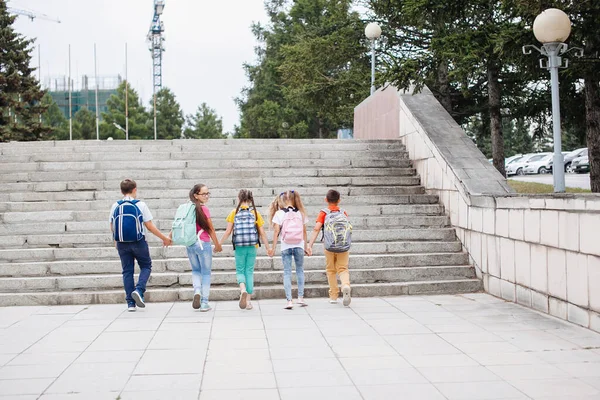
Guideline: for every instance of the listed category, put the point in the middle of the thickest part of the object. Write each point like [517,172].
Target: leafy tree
[169,116]
[204,124]
[55,119]
[325,68]
[140,122]
[585,18]
[20,93]
[84,124]
[312,70]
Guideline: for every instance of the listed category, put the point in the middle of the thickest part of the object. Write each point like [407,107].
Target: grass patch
[539,188]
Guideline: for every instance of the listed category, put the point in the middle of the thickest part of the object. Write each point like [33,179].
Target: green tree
[84,124]
[20,94]
[169,116]
[55,119]
[204,124]
[469,51]
[140,122]
[585,18]
[312,70]
[325,68]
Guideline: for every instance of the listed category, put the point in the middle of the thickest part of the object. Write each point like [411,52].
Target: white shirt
[278,219]
[146,214]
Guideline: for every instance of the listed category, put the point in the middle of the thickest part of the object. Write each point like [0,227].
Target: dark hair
[246,196]
[333,196]
[200,216]
[127,186]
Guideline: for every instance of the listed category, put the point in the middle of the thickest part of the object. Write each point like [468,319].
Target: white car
[515,167]
[539,164]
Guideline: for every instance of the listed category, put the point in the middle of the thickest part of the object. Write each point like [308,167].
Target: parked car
[515,167]
[509,159]
[539,164]
[581,164]
[573,155]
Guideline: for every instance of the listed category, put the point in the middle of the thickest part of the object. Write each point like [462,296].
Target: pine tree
[20,93]
[140,123]
[55,119]
[204,124]
[84,124]
[169,116]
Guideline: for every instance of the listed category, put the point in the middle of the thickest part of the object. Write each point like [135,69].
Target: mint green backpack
[184,225]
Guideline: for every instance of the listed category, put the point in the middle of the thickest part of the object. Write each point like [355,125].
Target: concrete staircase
[55,197]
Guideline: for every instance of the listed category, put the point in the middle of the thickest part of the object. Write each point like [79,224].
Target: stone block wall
[539,251]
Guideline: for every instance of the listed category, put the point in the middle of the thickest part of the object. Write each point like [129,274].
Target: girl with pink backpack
[288,220]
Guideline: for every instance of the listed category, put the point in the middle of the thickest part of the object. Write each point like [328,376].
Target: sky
[207,43]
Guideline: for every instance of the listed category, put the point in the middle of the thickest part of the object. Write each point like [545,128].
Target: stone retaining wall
[539,251]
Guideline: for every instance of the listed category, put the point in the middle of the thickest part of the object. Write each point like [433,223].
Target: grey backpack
[337,231]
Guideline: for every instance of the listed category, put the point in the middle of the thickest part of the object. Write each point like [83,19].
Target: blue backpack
[128,222]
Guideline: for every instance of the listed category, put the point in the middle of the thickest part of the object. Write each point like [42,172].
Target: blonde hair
[282,200]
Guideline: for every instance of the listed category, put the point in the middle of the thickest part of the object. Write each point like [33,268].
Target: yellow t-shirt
[259,219]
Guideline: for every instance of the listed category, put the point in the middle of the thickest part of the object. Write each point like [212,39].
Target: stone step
[156,170]
[232,293]
[196,145]
[184,280]
[359,261]
[190,160]
[359,190]
[165,208]
[311,202]
[105,239]
[101,226]
[159,252]
[189,183]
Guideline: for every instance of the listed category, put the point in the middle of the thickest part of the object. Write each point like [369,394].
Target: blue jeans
[286,256]
[201,261]
[129,252]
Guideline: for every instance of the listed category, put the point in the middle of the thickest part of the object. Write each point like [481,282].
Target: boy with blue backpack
[337,235]
[128,217]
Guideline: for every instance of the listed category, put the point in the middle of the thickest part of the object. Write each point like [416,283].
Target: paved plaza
[471,346]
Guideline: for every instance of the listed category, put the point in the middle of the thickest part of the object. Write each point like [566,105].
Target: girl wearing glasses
[200,253]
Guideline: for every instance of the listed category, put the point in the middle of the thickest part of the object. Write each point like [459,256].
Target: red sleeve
[321,217]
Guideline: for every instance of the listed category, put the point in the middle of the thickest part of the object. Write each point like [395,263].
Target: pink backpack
[292,229]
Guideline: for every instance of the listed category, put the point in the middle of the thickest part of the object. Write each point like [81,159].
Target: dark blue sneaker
[131,307]
[138,298]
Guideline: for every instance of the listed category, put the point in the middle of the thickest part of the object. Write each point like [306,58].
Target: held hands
[271,252]
[218,247]
[167,241]
[308,250]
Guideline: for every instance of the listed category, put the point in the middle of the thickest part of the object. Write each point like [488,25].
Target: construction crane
[156,40]
[32,15]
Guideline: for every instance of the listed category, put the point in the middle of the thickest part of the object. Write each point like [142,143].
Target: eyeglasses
[203,194]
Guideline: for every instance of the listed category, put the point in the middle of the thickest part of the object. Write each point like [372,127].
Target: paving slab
[422,347]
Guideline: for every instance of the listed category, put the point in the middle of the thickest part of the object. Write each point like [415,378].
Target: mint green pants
[245,258]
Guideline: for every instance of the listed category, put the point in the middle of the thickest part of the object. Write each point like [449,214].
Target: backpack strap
[327,211]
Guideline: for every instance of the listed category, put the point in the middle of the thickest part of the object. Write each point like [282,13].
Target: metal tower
[156,40]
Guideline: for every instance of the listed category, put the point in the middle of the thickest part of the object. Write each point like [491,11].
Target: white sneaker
[333,301]
[347,297]
[289,305]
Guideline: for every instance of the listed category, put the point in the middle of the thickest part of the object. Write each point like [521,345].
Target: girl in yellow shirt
[246,224]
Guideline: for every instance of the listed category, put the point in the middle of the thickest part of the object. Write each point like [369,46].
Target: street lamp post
[119,127]
[373,32]
[551,28]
